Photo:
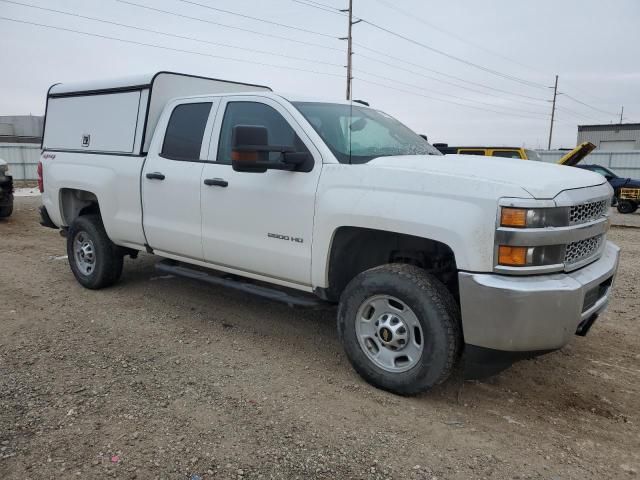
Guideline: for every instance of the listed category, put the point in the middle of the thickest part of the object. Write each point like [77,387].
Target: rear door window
[183,138]
[506,153]
[471,152]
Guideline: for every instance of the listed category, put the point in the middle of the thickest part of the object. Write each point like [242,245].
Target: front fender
[460,213]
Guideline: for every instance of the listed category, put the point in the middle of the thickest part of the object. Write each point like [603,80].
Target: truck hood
[578,154]
[541,180]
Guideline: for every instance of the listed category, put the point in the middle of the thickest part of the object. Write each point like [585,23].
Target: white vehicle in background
[6,190]
[429,257]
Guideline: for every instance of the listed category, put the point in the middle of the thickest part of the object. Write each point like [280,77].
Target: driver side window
[259,114]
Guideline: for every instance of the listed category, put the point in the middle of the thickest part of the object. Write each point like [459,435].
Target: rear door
[259,223]
[171,179]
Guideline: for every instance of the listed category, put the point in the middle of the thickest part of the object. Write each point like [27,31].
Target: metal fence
[22,158]
[625,164]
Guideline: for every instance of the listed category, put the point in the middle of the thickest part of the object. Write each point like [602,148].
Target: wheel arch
[356,249]
[76,202]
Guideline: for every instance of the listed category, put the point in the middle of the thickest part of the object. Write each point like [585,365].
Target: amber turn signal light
[513,217]
[512,256]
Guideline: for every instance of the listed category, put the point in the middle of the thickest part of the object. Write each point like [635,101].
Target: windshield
[356,134]
[602,171]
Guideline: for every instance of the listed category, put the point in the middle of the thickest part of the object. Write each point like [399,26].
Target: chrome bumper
[541,312]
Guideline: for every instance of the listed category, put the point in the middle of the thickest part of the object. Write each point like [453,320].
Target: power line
[320,6]
[258,19]
[442,73]
[172,35]
[453,57]
[576,114]
[452,34]
[481,85]
[449,95]
[328,8]
[179,50]
[451,83]
[310,3]
[211,22]
[442,100]
[587,105]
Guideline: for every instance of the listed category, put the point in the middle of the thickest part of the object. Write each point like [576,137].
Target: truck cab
[428,257]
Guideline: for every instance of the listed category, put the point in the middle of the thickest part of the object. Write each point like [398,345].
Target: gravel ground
[160,377]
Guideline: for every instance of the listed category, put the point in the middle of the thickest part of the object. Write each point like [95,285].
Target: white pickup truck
[431,258]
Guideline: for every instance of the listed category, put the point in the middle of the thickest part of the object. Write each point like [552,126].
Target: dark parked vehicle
[625,203]
[6,190]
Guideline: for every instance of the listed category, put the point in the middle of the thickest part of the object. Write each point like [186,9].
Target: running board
[293,299]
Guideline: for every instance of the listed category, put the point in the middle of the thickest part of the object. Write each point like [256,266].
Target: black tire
[435,309]
[108,258]
[6,211]
[627,206]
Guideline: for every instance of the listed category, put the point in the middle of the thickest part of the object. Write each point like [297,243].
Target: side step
[290,297]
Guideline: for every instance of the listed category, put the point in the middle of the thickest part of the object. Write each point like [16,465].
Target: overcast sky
[593,45]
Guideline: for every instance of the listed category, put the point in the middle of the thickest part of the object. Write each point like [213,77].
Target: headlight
[534,217]
[510,256]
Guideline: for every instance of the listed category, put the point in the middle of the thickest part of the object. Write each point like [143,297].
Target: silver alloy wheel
[84,253]
[389,333]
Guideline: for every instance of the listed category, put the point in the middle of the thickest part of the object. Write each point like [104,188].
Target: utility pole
[349,39]
[621,113]
[553,112]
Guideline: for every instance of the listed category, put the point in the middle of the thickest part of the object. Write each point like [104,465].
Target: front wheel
[95,260]
[400,328]
[627,206]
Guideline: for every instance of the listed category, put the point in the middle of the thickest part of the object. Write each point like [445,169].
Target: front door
[259,223]
[171,180]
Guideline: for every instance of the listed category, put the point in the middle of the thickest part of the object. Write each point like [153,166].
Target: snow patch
[26,192]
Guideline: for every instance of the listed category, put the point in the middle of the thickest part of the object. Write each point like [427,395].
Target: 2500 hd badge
[285,237]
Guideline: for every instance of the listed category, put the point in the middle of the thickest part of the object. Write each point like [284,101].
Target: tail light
[40,180]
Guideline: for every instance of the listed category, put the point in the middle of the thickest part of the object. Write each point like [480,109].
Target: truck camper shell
[119,116]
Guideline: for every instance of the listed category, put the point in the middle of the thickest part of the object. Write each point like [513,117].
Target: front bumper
[534,313]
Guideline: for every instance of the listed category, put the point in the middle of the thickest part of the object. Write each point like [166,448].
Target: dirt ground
[161,377]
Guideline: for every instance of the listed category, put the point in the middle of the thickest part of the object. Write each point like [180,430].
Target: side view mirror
[250,151]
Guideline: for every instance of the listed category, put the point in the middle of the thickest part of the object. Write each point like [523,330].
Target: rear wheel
[627,206]
[400,328]
[95,260]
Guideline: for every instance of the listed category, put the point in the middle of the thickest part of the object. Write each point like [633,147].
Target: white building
[615,137]
[20,138]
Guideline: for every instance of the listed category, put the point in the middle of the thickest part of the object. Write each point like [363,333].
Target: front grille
[587,212]
[583,249]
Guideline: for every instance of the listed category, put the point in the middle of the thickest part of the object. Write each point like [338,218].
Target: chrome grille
[587,212]
[582,250]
